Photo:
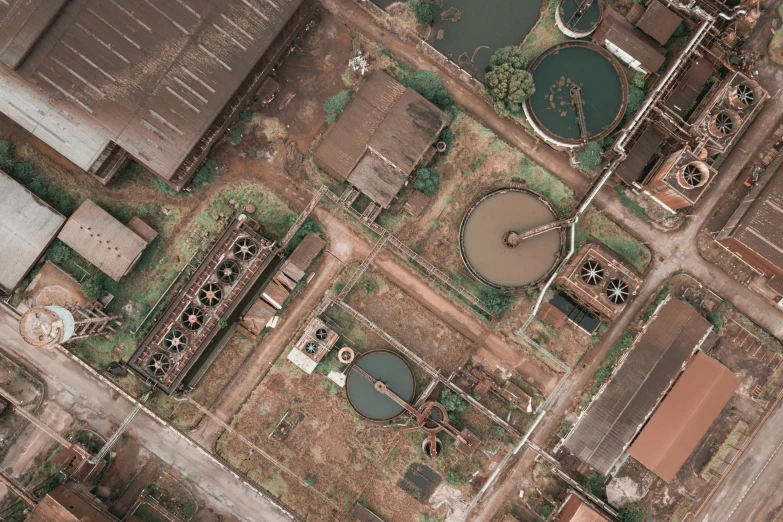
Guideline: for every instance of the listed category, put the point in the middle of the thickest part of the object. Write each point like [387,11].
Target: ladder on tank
[576,99]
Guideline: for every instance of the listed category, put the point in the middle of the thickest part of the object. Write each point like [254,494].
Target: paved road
[752,489]
[90,398]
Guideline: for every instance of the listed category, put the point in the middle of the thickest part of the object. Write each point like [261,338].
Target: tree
[430,86]
[427,180]
[508,82]
[632,513]
[422,10]
[453,478]
[93,287]
[635,99]
[590,156]
[453,402]
[336,104]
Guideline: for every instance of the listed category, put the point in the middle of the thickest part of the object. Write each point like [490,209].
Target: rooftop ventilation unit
[724,124]
[321,334]
[228,271]
[592,273]
[192,318]
[210,294]
[693,175]
[175,341]
[159,364]
[617,291]
[311,348]
[742,96]
[245,248]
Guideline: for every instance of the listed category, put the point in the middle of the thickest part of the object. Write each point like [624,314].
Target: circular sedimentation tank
[578,18]
[485,227]
[389,368]
[571,73]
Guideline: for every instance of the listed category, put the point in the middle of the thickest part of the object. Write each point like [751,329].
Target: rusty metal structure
[49,326]
[191,322]
[316,341]
[157,81]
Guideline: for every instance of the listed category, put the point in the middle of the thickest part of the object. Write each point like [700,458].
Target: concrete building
[684,416]
[27,227]
[681,180]
[605,430]
[103,241]
[380,138]
[754,232]
[158,81]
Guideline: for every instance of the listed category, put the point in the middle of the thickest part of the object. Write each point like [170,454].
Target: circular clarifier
[390,369]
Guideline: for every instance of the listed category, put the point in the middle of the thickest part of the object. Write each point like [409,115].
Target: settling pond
[469,31]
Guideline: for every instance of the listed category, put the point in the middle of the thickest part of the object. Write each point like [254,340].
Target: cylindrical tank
[47,326]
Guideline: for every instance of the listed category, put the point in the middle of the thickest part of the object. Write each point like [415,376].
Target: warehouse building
[27,228]
[604,431]
[158,81]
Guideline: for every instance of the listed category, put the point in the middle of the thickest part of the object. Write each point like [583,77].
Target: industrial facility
[100,82]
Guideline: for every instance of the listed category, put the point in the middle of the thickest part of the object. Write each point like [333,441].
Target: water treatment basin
[576,71]
[389,368]
[487,223]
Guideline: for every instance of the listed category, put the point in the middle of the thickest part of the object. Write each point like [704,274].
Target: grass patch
[542,181]
[631,203]
[656,302]
[731,440]
[606,231]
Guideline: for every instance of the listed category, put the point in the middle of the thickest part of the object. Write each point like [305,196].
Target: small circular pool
[384,366]
[488,222]
[576,71]
[578,18]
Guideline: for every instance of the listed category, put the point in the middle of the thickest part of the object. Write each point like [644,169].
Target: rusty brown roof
[616,30]
[306,251]
[380,137]
[71,503]
[684,416]
[689,87]
[102,240]
[416,203]
[27,226]
[759,227]
[612,420]
[659,21]
[640,154]
[151,76]
[574,509]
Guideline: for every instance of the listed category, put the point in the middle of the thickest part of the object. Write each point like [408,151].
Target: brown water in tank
[491,258]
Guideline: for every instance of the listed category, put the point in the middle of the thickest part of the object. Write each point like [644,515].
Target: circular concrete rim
[470,210]
[571,32]
[551,137]
[348,374]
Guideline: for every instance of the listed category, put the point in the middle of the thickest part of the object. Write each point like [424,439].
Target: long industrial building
[100,81]
[607,427]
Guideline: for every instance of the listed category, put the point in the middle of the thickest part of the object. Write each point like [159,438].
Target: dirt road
[79,392]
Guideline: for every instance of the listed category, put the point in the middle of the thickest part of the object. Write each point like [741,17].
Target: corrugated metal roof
[27,226]
[574,509]
[639,155]
[306,251]
[684,416]
[102,240]
[616,29]
[151,76]
[386,127]
[616,414]
[659,21]
[689,87]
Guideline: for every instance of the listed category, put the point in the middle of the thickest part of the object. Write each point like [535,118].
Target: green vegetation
[335,105]
[497,431]
[310,480]
[508,82]
[205,174]
[447,137]
[189,509]
[430,86]
[635,99]
[662,294]
[632,204]
[453,478]
[565,429]
[776,44]
[494,301]
[422,10]
[725,448]
[590,156]
[427,180]
[632,513]
[606,231]
[605,371]
[542,181]
[546,509]
[96,286]
[453,402]
[595,484]
[716,319]
[222,323]
[24,172]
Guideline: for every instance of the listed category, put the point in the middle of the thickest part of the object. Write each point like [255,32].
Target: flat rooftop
[150,76]
[27,227]
[606,428]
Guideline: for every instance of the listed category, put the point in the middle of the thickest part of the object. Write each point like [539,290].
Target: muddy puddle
[482,239]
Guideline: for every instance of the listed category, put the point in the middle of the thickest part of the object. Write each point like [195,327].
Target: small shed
[303,256]
[659,22]
[256,319]
[416,203]
[275,294]
[575,509]
[27,227]
[102,240]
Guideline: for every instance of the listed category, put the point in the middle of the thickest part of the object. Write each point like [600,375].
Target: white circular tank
[47,326]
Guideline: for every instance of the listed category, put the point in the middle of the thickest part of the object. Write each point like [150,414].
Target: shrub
[595,484]
[716,320]
[635,99]
[495,303]
[497,431]
[189,509]
[60,253]
[632,513]
[590,156]
[335,105]
[422,10]
[447,137]
[639,81]
[602,374]
[245,116]
[93,287]
[453,478]
[430,86]
[310,480]
[222,323]
[565,429]
[508,82]
[546,509]
[453,402]
[427,180]
[204,175]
